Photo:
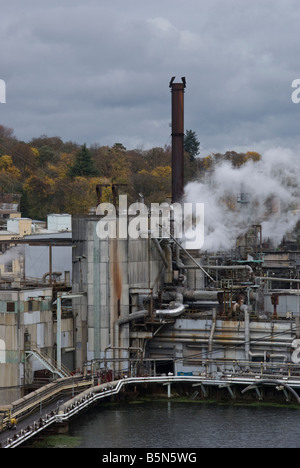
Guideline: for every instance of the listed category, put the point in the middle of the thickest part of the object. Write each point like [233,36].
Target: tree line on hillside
[53,176]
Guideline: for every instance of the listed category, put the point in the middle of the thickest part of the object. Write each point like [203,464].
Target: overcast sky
[98,71]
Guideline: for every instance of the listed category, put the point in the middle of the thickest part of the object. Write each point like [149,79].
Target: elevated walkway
[69,408]
[38,405]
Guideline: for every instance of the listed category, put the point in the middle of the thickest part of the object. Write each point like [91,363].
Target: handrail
[238,371]
[88,397]
[51,361]
[92,394]
[23,406]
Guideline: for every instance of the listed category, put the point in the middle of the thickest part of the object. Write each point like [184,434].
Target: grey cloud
[94,73]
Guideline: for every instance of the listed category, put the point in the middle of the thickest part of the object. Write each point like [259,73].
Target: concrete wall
[20,226]
[22,311]
[59,222]
[187,342]
[106,270]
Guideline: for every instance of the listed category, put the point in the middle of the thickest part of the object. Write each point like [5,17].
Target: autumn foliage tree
[61,177]
[236,159]
[10,175]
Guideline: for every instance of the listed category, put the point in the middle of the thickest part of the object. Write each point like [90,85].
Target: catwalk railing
[283,376]
[88,397]
[25,406]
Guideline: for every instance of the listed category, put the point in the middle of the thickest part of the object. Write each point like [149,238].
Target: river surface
[187,425]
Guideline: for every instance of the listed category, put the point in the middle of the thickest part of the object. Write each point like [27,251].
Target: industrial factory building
[149,304]
[35,269]
[177,311]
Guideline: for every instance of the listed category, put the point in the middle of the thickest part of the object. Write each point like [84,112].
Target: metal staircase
[48,362]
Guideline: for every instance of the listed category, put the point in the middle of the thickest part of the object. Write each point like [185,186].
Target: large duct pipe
[121,321]
[183,266]
[177,90]
[273,278]
[177,310]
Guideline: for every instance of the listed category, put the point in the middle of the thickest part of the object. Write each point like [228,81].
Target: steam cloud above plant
[265,192]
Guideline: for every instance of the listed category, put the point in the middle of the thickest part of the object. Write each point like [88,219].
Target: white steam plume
[11,254]
[274,198]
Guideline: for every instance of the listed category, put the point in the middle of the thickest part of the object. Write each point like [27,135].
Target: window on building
[8,267]
[10,307]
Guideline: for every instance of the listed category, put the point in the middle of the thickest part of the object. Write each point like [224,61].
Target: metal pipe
[50,264]
[61,296]
[212,332]
[58,331]
[181,265]
[229,267]
[244,309]
[273,382]
[177,310]
[196,295]
[122,321]
[232,342]
[191,258]
[283,280]
[160,251]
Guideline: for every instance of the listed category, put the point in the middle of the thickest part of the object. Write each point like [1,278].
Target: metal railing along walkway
[25,408]
[88,397]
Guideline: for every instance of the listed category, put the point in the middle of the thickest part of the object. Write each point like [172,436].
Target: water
[187,425]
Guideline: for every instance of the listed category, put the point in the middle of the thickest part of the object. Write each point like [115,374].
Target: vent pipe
[177,90]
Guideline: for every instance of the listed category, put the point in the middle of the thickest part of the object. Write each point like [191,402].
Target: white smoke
[11,254]
[271,198]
